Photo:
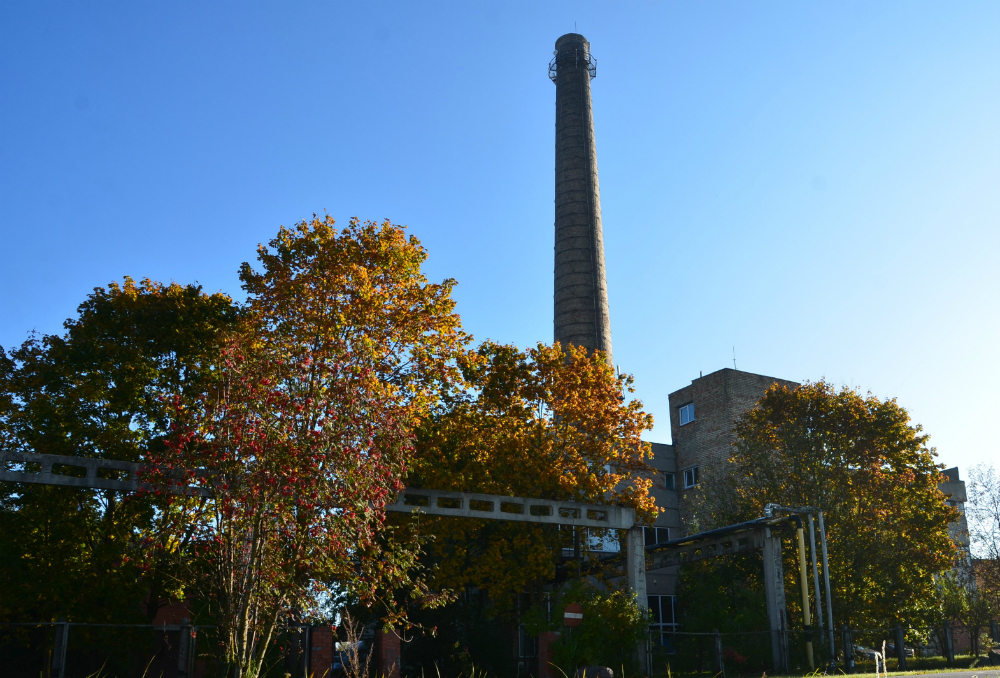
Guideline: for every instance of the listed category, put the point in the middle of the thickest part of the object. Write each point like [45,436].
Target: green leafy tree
[96,391]
[862,462]
[613,625]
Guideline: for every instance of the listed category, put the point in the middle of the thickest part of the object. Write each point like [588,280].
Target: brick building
[703,414]
[954,490]
[702,417]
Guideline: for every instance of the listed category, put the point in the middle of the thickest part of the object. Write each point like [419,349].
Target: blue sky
[814,184]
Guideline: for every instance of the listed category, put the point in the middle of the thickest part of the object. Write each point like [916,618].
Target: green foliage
[464,636]
[862,462]
[724,594]
[959,601]
[95,392]
[613,625]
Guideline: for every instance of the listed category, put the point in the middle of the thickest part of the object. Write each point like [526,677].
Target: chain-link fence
[72,650]
[898,648]
[81,650]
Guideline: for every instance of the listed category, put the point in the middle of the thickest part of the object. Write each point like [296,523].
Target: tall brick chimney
[581,289]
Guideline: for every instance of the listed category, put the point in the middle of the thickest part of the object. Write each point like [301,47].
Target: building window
[687,414]
[589,542]
[669,482]
[690,477]
[655,535]
[661,609]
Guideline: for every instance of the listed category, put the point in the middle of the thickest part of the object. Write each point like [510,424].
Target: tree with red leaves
[305,434]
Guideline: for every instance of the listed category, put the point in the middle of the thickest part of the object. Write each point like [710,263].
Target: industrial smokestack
[581,289]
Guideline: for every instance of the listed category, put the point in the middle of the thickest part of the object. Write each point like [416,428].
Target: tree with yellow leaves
[548,422]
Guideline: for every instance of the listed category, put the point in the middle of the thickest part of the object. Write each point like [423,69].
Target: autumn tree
[307,433]
[96,391]
[546,422]
[861,461]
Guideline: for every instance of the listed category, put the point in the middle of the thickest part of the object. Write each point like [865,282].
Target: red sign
[573,615]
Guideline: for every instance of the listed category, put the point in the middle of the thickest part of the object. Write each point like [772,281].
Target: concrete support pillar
[635,554]
[774,593]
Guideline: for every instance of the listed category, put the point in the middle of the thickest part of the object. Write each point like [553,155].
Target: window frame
[694,477]
[669,480]
[687,408]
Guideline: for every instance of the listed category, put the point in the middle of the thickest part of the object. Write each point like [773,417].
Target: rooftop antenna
[734,357]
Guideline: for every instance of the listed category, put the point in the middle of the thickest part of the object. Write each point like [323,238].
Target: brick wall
[388,648]
[321,641]
[719,399]
[545,667]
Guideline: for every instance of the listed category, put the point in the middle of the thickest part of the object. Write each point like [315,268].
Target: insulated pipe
[806,619]
[818,598]
[829,602]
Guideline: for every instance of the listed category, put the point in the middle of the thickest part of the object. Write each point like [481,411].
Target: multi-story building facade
[702,417]
[954,490]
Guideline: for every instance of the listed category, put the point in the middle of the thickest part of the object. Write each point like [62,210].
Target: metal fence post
[307,657]
[183,637]
[192,651]
[58,666]
[848,649]
[949,644]
[900,648]
[718,661]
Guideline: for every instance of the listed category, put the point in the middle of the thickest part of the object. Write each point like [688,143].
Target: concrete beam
[87,472]
[123,476]
[700,549]
[518,509]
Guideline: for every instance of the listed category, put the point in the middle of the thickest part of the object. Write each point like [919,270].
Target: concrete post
[774,593]
[635,563]
[581,291]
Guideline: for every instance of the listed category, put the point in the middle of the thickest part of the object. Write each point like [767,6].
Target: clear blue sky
[816,184]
